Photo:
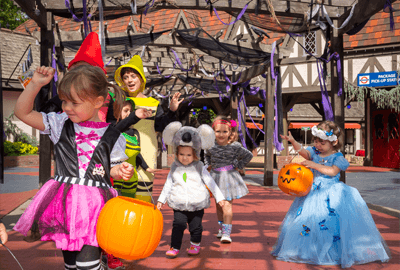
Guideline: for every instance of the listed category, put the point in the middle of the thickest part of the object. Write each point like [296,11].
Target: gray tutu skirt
[230,183]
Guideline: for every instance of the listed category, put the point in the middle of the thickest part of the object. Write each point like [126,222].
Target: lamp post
[305,130]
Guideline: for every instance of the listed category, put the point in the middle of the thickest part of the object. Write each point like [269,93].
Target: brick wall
[20,161]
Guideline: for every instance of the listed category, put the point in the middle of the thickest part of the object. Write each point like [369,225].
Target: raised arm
[24,106]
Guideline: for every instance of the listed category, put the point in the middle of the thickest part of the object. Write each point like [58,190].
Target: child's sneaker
[172,253]
[193,250]
[226,239]
[114,262]
[219,234]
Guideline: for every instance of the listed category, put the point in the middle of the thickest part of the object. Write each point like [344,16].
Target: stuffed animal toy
[199,138]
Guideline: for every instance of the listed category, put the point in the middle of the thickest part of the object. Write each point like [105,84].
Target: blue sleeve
[311,151]
[340,162]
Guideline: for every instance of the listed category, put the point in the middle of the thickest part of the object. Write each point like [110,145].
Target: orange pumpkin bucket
[295,179]
[129,228]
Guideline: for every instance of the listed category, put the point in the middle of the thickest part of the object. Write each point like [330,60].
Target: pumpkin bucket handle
[152,199]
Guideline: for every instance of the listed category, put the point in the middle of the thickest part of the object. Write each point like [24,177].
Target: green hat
[136,64]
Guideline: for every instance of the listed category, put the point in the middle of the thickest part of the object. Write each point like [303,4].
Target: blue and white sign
[377,79]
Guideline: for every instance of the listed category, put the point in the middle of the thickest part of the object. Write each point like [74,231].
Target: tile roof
[376,31]
[164,19]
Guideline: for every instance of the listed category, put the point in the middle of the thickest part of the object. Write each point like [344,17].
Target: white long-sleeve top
[185,187]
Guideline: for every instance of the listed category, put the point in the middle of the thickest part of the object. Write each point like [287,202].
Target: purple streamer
[326,104]
[165,77]
[278,145]
[164,148]
[243,121]
[249,114]
[109,62]
[54,65]
[218,90]
[84,17]
[229,81]
[388,4]
[147,7]
[237,18]
[177,60]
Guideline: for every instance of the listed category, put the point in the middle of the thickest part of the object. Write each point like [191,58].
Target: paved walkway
[255,226]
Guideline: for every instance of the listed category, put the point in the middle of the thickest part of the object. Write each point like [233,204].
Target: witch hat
[90,52]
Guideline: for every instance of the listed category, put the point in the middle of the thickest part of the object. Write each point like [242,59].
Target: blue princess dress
[331,225]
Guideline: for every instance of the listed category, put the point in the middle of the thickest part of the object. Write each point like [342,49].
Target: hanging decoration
[278,95]
[84,18]
[239,16]
[388,8]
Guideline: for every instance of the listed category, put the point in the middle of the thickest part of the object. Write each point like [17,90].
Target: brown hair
[128,70]
[328,126]
[195,157]
[234,133]
[90,82]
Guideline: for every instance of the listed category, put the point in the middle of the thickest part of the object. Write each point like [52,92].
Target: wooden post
[368,160]
[46,146]
[1,126]
[337,102]
[285,152]
[269,130]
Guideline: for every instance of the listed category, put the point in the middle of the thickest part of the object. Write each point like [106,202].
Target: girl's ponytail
[120,98]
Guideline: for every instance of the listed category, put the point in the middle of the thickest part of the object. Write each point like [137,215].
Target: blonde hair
[328,126]
[234,133]
[90,82]
[195,157]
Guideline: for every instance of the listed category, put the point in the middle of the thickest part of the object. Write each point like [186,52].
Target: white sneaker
[219,234]
[226,239]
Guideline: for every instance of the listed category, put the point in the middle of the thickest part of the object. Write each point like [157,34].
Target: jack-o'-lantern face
[295,179]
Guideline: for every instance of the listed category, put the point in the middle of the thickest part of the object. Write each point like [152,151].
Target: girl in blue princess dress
[332,224]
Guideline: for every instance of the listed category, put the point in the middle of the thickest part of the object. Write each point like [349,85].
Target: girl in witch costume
[132,80]
[332,223]
[87,152]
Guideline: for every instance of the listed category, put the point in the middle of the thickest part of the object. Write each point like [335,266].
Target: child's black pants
[181,218]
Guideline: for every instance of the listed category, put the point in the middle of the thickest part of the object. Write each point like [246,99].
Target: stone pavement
[255,226]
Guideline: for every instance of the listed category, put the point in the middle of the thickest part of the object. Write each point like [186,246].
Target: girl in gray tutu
[223,160]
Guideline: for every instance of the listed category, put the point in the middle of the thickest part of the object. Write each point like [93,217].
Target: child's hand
[222,203]
[309,164]
[288,137]
[159,205]
[174,104]
[43,75]
[126,171]
[143,113]
[150,170]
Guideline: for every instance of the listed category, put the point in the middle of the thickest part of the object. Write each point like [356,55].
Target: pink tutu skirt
[66,214]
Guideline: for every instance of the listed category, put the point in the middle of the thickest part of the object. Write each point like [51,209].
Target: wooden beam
[29,6]
[288,8]
[269,130]
[337,102]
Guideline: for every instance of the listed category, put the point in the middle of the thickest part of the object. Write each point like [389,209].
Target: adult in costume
[131,78]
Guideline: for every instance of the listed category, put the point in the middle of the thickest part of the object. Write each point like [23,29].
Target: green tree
[11,14]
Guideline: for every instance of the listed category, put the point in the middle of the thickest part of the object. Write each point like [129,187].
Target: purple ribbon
[109,62]
[218,90]
[237,18]
[325,98]
[278,145]
[147,7]
[164,148]
[241,120]
[84,18]
[229,81]
[165,77]
[388,4]
[177,60]
[54,65]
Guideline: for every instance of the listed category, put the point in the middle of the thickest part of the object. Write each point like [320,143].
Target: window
[310,42]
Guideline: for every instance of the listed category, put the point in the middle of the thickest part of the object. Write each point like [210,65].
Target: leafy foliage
[18,149]
[11,14]
[383,98]
[18,134]
[202,116]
